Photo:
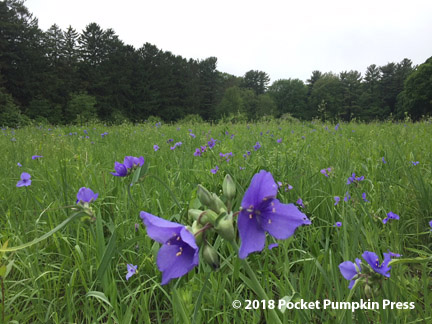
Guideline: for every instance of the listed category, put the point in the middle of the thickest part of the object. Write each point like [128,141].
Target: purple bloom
[179,253]
[415,163]
[372,259]
[131,270]
[364,197]
[25,180]
[353,178]
[104,134]
[337,199]
[349,271]
[211,143]
[272,246]
[347,196]
[337,127]
[120,170]
[257,146]
[19,164]
[192,135]
[279,140]
[338,224]
[86,195]
[288,187]
[390,215]
[394,255]
[300,203]
[155,147]
[384,161]
[216,169]
[35,157]
[131,162]
[430,224]
[261,212]
[197,152]
[326,172]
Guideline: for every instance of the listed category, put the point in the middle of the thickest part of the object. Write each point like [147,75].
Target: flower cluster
[354,179]
[390,215]
[326,172]
[125,168]
[352,272]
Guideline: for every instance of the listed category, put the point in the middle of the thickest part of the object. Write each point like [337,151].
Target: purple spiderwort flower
[337,199]
[300,203]
[35,157]
[394,255]
[215,170]
[211,143]
[192,135]
[25,180]
[279,140]
[353,178]
[326,172]
[155,147]
[131,162]
[349,271]
[261,212]
[430,224]
[86,195]
[257,146]
[415,163]
[338,224]
[372,259]
[120,170]
[197,152]
[179,253]
[384,161]
[347,196]
[131,270]
[390,215]
[364,197]
[19,164]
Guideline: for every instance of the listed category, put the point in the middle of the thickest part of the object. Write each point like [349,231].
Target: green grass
[77,275]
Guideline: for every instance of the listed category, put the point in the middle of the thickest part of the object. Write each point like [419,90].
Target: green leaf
[99,295]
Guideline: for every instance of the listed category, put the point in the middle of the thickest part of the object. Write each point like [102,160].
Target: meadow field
[364,188]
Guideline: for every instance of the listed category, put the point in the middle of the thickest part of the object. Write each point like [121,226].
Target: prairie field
[364,187]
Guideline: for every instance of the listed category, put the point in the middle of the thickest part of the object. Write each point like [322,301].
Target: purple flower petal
[160,229]
[120,170]
[372,259]
[86,195]
[131,270]
[272,246]
[262,186]
[251,234]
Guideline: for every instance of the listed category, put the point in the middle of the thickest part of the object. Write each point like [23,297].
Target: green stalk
[258,289]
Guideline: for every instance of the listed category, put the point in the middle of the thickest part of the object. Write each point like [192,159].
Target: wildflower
[120,170]
[394,255]
[261,212]
[35,157]
[197,152]
[300,203]
[430,224]
[288,187]
[347,196]
[211,143]
[86,195]
[338,224]
[364,197]
[337,127]
[415,163]
[353,178]
[326,172]
[25,180]
[257,146]
[216,169]
[350,271]
[104,134]
[155,147]
[131,270]
[337,199]
[19,164]
[179,253]
[192,135]
[384,161]
[279,140]
[372,259]
[390,215]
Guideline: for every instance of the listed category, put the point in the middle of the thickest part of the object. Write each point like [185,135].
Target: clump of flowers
[326,172]
[129,164]
[354,179]
[371,274]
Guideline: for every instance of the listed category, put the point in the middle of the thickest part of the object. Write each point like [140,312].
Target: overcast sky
[284,38]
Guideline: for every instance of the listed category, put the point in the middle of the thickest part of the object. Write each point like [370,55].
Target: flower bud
[217,204]
[204,196]
[210,256]
[368,291]
[225,228]
[228,187]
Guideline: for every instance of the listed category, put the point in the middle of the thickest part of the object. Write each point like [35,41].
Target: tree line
[62,76]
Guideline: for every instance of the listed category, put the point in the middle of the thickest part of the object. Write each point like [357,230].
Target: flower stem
[258,289]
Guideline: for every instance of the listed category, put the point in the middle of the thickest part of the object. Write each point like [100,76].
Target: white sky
[286,39]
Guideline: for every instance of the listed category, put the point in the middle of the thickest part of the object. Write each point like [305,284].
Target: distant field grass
[77,275]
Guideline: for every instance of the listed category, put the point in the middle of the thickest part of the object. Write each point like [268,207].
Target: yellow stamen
[179,252]
[250,216]
[269,221]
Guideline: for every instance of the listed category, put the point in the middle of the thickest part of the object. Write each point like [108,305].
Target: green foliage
[290,96]
[10,114]
[81,108]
